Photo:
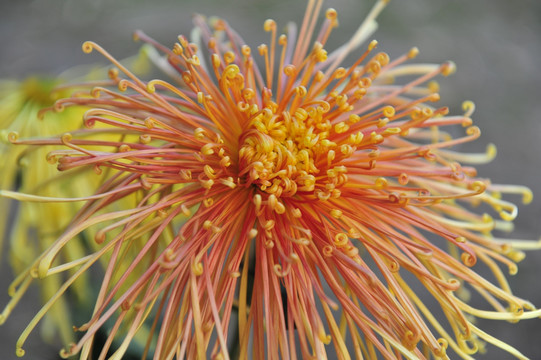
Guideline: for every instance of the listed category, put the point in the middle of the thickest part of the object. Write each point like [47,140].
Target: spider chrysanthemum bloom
[283,210]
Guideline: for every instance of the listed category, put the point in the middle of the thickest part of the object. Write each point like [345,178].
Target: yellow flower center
[40,91]
[284,153]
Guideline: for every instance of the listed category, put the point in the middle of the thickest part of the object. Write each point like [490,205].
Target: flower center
[40,90]
[284,153]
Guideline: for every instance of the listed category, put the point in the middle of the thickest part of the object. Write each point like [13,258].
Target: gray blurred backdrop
[496,45]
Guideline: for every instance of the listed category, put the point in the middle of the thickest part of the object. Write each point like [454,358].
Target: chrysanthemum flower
[293,209]
[23,169]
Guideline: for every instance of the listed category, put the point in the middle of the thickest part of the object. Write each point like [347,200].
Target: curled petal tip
[13,136]
[88,46]
[136,35]
[448,68]
[527,196]
[414,51]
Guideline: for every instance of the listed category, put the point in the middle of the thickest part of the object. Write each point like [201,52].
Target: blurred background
[496,45]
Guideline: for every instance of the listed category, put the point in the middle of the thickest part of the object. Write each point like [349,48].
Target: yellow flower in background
[36,224]
[298,208]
